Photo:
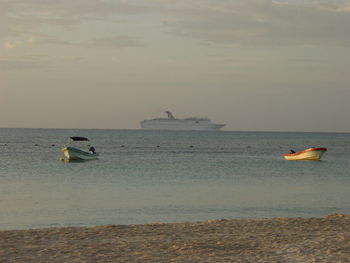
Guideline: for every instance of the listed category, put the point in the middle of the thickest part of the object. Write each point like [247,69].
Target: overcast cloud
[231,60]
[236,22]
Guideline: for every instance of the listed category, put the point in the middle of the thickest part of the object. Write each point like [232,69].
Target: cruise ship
[175,124]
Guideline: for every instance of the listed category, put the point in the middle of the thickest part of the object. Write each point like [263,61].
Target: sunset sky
[256,65]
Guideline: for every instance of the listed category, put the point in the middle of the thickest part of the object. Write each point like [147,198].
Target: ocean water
[163,176]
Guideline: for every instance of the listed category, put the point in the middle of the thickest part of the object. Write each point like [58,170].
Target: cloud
[256,23]
[19,43]
[16,63]
[332,5]
[21,17]
[113,42]
[261,22]
[105,42]
[48,22]
[52,41]
[10,45]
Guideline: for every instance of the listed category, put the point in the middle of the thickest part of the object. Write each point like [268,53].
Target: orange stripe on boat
[307,150]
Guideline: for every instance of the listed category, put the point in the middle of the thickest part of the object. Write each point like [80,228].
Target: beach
[323,239]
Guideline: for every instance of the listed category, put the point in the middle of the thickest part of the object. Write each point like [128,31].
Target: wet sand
[325,239]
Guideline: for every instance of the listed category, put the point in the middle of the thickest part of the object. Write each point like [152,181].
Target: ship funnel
[170,115]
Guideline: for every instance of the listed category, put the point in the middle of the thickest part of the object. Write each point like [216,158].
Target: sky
[255,65]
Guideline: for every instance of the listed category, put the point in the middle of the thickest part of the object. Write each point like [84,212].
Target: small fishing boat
[308,154]
[72,153]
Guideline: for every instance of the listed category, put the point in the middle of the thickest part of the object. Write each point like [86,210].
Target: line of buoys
[122,146]
[157,146]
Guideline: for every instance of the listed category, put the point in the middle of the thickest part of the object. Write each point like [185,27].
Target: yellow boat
[308,154]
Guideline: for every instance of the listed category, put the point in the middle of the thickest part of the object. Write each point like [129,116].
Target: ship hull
[180,126]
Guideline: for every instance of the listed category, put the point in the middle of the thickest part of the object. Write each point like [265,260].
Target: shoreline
[322,239]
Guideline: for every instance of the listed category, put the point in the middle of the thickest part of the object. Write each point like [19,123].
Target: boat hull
[313,154]
[71,153]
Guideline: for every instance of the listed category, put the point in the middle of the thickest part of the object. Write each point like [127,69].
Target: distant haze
[259,65]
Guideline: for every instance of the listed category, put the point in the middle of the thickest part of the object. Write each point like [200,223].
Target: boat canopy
[77,138]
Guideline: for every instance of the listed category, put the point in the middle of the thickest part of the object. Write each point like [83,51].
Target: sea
[168,176]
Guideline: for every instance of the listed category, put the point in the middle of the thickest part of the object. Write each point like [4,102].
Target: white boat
[308,154]
[74,154]
[175,124]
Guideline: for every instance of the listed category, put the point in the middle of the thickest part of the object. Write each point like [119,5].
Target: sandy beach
[325,239]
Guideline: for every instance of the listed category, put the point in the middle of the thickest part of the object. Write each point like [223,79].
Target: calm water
[191,176]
